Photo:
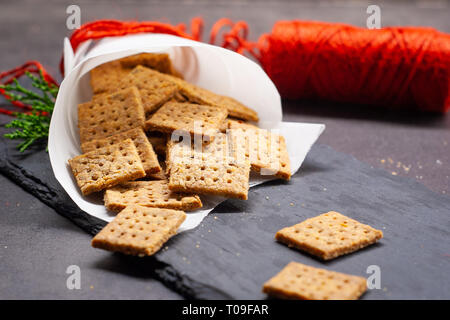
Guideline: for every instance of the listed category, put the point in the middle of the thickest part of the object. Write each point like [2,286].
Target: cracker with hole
[115,113]
[155,89]
[138,230]
[149,194]
[329,235]
[106,167]
[200,95]
[193,118]
[209,171]
[157,61]
[299,281]
[266,151]
[145,150]
[105,77]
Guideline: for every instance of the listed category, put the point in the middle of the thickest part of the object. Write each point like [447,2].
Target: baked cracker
[266,151]
[329,235]
[203,96]
[106,167]
[155,89]
[105,77]
[145,150]
[299,281]
[149,194]
[115,113]
[138,230]
[194,118]
[158,61]
[207,171]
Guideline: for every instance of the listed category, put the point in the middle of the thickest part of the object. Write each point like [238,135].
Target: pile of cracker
[153,142]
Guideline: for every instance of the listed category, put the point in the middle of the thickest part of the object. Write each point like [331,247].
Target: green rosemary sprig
[34,125]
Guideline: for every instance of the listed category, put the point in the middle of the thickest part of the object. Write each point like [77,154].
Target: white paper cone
[214,68]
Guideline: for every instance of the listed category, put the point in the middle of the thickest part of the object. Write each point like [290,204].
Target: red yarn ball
[398,67]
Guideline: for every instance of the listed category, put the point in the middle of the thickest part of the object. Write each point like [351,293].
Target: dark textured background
[36,245]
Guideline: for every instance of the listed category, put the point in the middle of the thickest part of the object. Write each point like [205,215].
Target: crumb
[291,204]
[91,287]
[394,173]
[382,161]
[267,197]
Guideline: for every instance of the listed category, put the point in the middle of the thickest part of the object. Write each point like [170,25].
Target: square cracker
[203,96]
[266,151]
[105,77]
[158,61]
[329,235]
[107,167]
[148,157]
[299,281]
[208,171]
[110,115]
[138,230]
[155,89]
[194,118]
[149,194]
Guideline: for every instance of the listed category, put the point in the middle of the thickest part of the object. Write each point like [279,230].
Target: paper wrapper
[214,68]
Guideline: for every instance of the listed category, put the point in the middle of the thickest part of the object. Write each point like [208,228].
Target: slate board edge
[163,272]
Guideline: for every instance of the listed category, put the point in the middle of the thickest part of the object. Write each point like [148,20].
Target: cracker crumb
[291,204]
[394,173]
[382,161]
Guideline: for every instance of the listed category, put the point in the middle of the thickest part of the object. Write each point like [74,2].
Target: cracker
[329,235]
[145,150]
[106,167]
[266,151]
[114,113]
[155,88]
[208,171]
[299,281]
[138,230]
[203,96]
[149,194]
[193,118]
[105,77]
[158,61]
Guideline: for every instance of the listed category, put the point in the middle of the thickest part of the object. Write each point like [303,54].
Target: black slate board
[232,253]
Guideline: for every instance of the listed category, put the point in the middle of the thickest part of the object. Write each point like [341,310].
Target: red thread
[396,67]
[113,28]
[15,73]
